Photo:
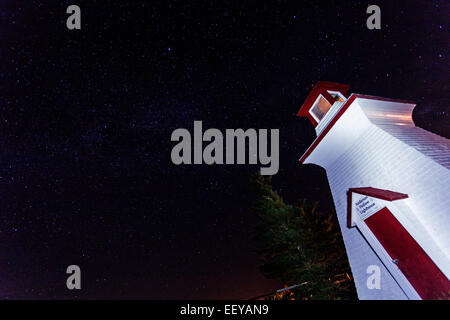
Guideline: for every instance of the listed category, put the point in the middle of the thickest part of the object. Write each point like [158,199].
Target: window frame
[314,104]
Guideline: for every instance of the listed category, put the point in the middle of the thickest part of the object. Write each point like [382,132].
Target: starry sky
[86,116]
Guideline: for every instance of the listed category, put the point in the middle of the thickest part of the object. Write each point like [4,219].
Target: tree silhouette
[301,246]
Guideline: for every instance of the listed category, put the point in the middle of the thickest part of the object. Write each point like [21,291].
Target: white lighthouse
[390,183]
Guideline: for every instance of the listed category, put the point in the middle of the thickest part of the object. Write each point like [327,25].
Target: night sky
[86,117]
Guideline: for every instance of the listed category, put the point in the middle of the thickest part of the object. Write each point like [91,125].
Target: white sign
[365,205]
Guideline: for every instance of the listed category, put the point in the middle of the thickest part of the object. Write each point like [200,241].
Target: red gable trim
[387,195]
[379,193]
[339,114]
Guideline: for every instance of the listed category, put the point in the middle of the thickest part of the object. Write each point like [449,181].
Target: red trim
[383,194]
[366,96]
[423,274]
[339,114]
[379,193]
[311,118]
[349,209]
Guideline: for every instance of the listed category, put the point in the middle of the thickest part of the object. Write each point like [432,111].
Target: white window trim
[312,113]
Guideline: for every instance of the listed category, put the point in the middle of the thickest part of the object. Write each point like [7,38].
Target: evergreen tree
[301,246]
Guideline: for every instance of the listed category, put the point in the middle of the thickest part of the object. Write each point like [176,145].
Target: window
[320,108]
[337,96]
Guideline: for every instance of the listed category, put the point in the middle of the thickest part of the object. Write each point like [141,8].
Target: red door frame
[423,274]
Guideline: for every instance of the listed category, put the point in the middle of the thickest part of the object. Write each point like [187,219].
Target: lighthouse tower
[390,183]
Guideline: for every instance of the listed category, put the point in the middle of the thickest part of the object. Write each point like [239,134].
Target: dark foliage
[301,246]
